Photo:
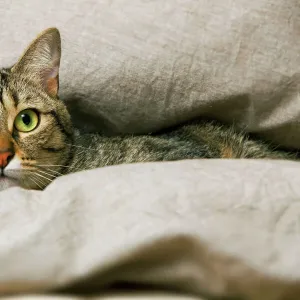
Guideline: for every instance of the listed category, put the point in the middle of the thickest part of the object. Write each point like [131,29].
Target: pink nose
[4,158]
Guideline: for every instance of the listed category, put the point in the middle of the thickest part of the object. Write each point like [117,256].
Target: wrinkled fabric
[140,66]
[205,227]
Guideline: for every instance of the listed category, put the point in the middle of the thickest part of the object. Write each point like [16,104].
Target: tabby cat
[38,142]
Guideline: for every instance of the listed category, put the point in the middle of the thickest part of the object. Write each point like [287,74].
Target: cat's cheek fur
[13,169]
[18,175]
[13,173]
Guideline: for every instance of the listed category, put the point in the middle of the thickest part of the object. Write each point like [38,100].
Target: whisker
[35,182]
[43,177]
[63,166]
[53,171]
[44,172]
[26,182]
[41,180]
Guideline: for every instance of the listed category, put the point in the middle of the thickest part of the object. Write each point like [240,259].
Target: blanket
[206,228]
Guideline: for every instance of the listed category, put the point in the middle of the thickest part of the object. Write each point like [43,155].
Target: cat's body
[38,143]
[200,139]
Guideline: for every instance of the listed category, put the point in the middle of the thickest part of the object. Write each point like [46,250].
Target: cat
[38,142]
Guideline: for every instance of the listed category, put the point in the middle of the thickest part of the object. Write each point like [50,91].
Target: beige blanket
[200,228]
[204,227]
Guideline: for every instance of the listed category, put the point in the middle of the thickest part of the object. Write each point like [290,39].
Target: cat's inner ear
[41,60]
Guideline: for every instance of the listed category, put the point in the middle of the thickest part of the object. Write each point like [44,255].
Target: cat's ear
[40,62]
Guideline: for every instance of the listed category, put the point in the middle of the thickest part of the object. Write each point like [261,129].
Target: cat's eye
[26,120]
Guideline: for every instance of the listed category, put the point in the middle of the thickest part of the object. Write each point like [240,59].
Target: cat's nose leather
[5,157]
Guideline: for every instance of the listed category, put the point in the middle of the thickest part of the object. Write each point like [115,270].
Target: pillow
[139,66]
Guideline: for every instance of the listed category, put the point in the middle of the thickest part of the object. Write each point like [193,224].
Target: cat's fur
[54,148]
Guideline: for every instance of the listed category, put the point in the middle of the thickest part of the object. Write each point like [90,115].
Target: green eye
[26,120]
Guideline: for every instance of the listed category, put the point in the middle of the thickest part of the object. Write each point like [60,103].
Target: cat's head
[35,127]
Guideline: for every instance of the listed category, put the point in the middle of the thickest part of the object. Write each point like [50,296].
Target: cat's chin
[6,182]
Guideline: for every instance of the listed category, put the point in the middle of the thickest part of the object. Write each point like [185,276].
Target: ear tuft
[40,62]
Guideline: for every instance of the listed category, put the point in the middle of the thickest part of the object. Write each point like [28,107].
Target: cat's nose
[5,157]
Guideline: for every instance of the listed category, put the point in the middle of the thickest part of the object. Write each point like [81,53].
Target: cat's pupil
[26,119]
